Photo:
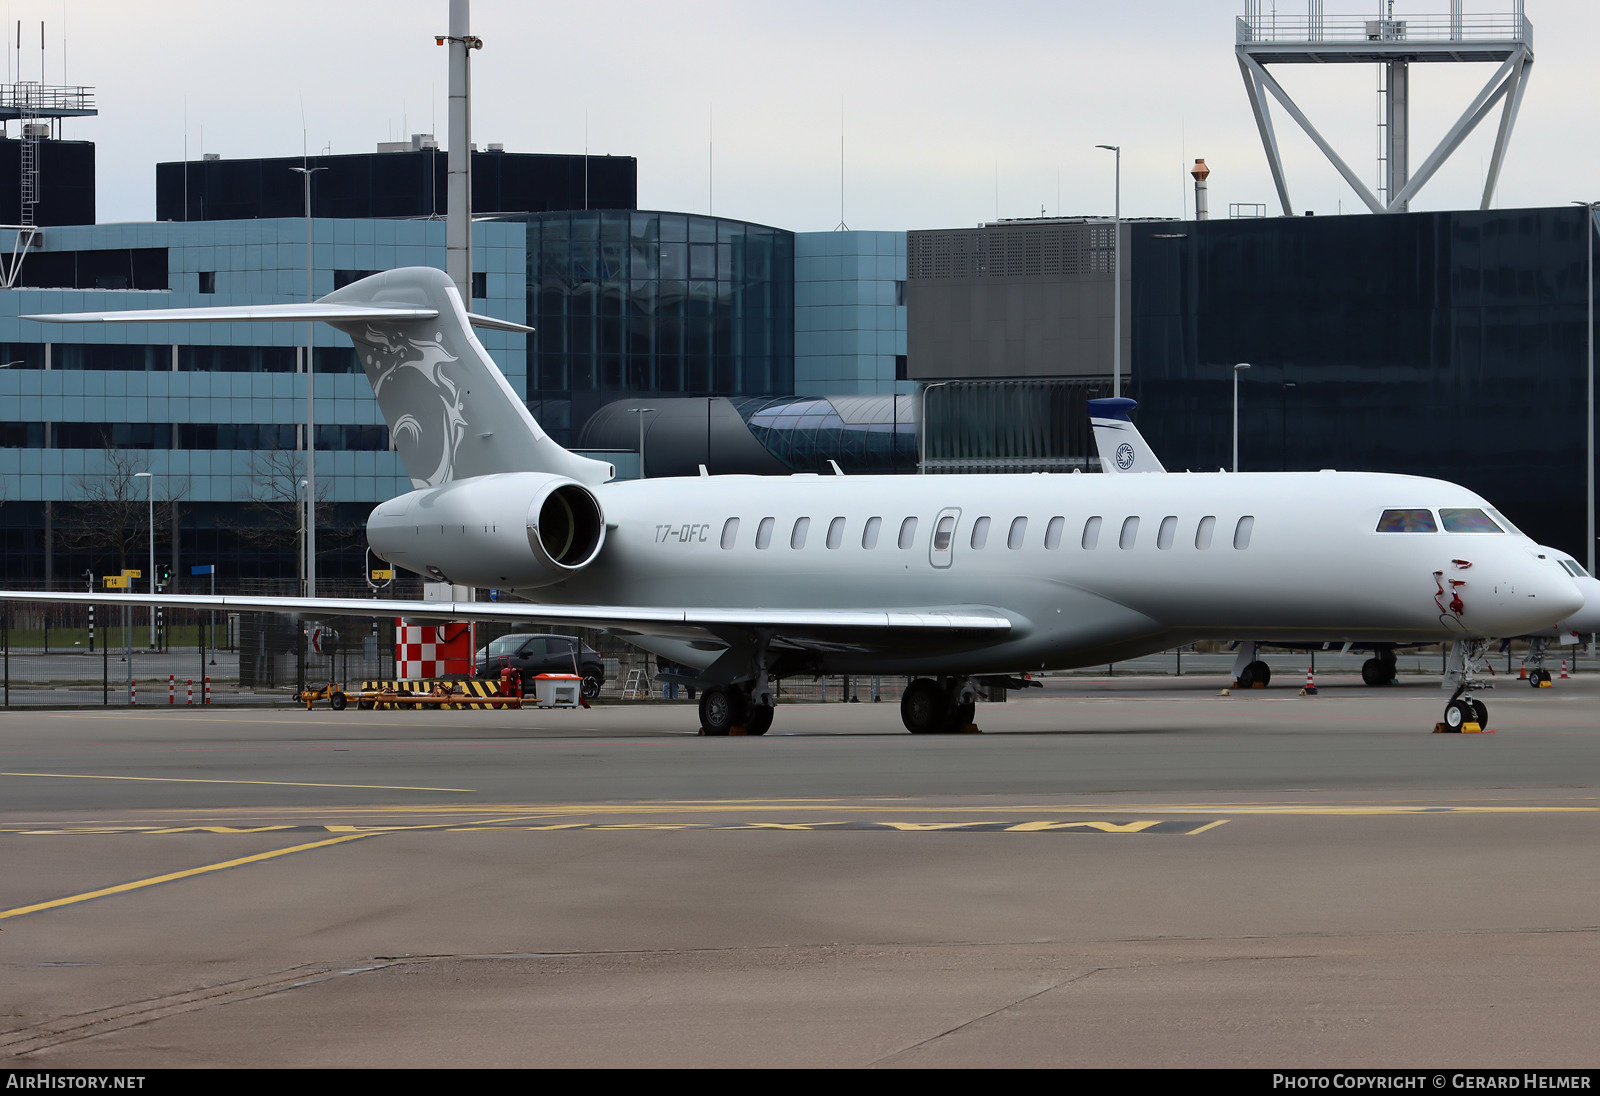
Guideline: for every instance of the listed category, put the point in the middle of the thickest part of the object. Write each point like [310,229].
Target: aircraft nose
[1547,593]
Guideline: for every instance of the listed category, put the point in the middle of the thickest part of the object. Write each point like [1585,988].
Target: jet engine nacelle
[512,529]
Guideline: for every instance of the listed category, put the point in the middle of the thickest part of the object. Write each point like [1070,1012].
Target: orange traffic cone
[1311,684]
[1563,669]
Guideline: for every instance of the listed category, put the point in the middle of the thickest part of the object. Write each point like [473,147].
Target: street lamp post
[311,422]
[642,412]
[152,572]
[1237,369]
[1116,279]
[1588,238]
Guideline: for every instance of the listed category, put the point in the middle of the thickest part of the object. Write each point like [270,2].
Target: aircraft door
[943,540]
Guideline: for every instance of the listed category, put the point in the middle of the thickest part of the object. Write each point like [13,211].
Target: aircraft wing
[793,624]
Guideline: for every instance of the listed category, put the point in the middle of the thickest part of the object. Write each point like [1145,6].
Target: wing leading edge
[623,619]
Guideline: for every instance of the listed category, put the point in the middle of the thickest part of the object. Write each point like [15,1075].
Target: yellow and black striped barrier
[413,694]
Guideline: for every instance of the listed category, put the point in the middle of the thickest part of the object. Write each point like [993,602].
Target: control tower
[1393,44]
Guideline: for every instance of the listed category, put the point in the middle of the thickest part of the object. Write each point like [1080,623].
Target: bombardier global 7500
[962,582]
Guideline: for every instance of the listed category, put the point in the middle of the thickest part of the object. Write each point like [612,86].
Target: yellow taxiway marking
[122,888]
[263,783]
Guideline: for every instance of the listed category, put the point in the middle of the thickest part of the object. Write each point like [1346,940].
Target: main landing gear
[1380,669]
[945,706]
[1465,712]
[1249,672]
[735,710]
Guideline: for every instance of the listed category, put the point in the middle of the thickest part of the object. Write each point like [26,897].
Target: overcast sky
[952,113]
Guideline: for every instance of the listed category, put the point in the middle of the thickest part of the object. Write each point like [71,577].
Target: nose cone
[1533,594]
[1586,618]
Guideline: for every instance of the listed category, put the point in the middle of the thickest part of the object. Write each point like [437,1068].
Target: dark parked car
[530,655]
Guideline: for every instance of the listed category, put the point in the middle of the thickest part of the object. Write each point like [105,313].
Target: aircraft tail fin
[450,412]
[1122,448]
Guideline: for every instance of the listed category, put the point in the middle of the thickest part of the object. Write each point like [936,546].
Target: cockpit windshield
[1407,521]
[1574,568]
[1467,520]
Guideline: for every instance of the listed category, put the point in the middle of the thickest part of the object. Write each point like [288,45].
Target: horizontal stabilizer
[262,313]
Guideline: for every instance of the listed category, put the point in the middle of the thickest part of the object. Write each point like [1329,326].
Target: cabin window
[797,538]
[1241,532]
[1467,520]
[1019,528]
[980,532]
[1052,532]
[869,535]
[1202,533]
[835,532]
[1164,535]
[908,532]
[944,533]
[764,533]
[1091,532]
[1130,531]
[1407,521]
[730,532]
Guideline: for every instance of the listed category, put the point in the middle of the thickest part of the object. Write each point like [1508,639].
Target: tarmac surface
[1118,871]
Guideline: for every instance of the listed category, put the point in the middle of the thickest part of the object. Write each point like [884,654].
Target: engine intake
[510,530]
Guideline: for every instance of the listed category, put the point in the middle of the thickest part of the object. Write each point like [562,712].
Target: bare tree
[112,512]
[277,505]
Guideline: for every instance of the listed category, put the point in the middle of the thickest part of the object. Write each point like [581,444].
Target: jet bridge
[1393,44]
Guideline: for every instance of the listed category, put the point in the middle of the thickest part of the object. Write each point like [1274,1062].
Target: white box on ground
[557,690]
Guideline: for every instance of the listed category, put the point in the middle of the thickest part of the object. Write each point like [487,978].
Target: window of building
[1091,532]
[1019,528]
[1242,531]
[908,532]
[730,532]
[764,532]
[208,281]
[1203,532]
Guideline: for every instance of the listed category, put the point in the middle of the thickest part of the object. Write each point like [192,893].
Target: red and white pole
[172,689]
[133,693]
[208,689]
[191,692]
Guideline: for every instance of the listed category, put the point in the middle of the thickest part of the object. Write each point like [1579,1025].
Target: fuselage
[1087,567]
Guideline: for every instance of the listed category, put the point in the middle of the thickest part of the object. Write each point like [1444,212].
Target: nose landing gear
[1464,713]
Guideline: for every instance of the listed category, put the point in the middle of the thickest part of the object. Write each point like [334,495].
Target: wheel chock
[1544,684]
[737,732]
[970,728]
[1226,692]
[1468,727]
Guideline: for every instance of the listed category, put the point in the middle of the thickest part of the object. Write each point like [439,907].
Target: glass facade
[671,303]
[849,313]
[213,411]
[1441,344]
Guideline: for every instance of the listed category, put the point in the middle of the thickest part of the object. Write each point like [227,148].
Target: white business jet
[963,582]
[1115,433]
